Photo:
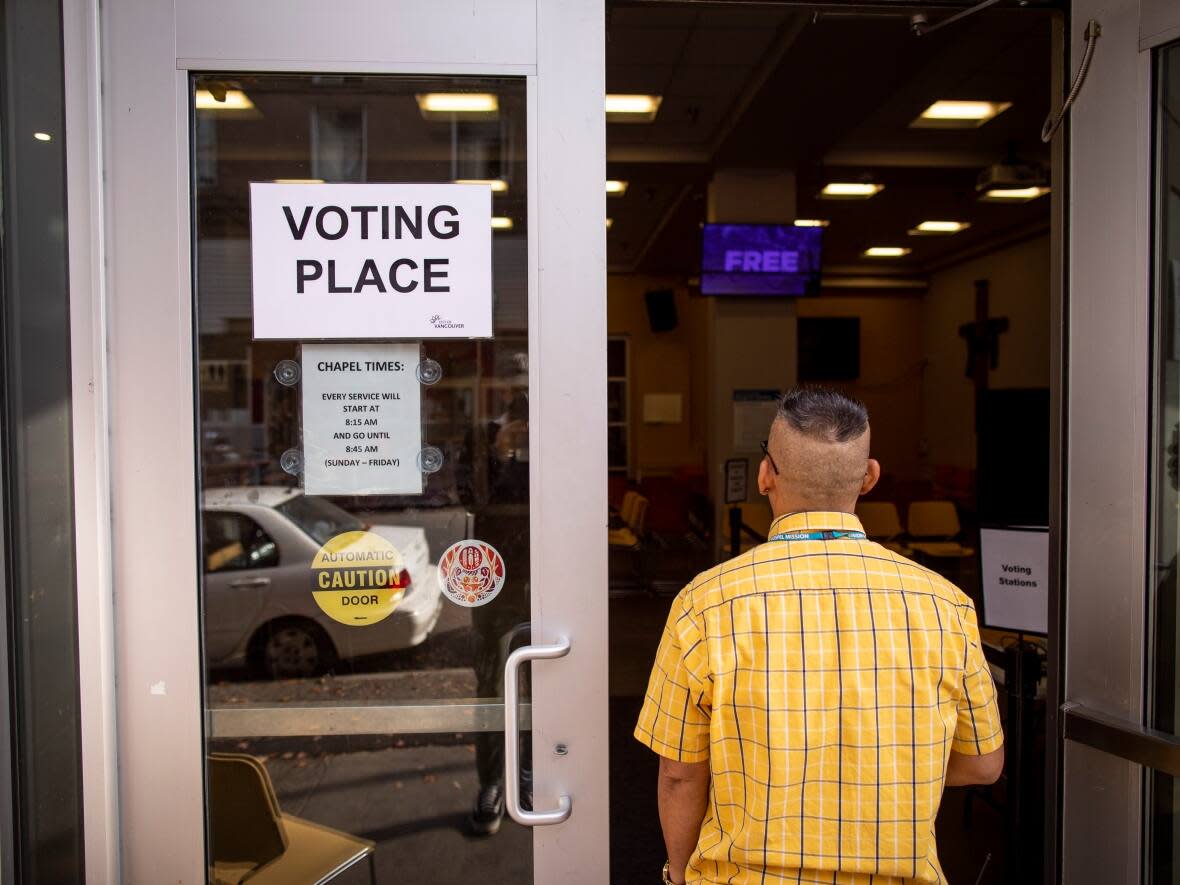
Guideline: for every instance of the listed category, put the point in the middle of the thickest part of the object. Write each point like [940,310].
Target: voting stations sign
[362,419]
[365,261]
[1015,573]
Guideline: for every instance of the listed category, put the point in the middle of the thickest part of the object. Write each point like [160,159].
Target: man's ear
[872,474]
[765,477]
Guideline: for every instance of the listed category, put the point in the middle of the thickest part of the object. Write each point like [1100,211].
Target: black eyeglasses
[766,451]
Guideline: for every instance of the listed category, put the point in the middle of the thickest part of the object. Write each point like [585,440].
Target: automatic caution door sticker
[358,578]
[472,573]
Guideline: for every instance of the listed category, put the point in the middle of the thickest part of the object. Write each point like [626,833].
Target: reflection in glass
[1163,836]
[292,694]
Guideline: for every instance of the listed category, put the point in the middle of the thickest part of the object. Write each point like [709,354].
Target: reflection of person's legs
[494,640]
[489,683]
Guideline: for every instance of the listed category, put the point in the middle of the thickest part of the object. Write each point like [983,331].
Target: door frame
[130,244]
[1096,778]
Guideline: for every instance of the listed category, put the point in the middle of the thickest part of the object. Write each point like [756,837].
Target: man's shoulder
[706,588]
[919,578]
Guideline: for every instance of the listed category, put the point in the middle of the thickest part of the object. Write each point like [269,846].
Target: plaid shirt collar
[815,521]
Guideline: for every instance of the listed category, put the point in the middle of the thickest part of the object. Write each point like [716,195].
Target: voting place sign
[363,261]
[1015,575]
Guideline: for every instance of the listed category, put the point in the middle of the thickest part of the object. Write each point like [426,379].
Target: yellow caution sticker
[358,578]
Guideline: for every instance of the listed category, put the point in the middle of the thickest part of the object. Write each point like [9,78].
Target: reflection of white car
[258,545]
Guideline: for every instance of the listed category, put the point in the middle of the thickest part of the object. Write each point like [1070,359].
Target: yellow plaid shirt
[826,682]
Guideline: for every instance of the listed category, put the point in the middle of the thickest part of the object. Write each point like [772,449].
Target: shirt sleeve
[674,721]
[978,730]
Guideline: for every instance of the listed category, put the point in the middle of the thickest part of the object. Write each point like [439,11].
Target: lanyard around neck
[828,535]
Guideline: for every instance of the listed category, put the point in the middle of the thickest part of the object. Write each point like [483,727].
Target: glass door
[1118,753]
[374,415]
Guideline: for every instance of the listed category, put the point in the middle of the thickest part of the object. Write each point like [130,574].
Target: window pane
[406,767]
[1163,836]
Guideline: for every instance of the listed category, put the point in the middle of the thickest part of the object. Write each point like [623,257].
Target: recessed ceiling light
[632,108]
[936,228]
[498,185]
[42,136]
[234,100]
[501,222]
[616,188]
[1012,194]
[811,222]
[609,223]
[850,190]
[959,114]
[298,181]
[446,104]
[886,252]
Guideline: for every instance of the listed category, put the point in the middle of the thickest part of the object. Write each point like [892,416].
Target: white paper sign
[371,260]
[362,419]
[1015,579]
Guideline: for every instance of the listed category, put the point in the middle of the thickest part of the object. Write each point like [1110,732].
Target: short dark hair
[824,413]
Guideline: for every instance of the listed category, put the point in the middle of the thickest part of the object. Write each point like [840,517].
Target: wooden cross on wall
[983,339]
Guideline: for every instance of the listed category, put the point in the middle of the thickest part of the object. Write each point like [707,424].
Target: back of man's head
[820,443]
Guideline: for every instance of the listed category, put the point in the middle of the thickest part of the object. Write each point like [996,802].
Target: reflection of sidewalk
[413,802]
[404,685]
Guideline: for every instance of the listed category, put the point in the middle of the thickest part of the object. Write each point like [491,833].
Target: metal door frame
[127,67]
[1098,665]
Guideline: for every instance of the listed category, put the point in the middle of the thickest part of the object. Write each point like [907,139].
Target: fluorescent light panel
[632,108]
[235,100]
[950,114]
[886,252]
[850,190]
[811,222]
[498,185]
[616,188]
[936,228]
[458,103]
[501,222]
[298,181]
[42,136]
[1012,194]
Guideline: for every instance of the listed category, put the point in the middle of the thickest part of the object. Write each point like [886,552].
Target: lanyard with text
[818,536]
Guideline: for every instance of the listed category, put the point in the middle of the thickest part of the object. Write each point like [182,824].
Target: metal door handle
[512,736]
[250,582]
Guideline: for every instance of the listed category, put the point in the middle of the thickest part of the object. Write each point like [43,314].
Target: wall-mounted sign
[736,480]
[753,413]
[371,260]
[1015,572]
[362,419]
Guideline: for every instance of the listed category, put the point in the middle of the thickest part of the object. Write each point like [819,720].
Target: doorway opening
[912,170]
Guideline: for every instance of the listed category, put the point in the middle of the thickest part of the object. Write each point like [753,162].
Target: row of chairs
[931,528]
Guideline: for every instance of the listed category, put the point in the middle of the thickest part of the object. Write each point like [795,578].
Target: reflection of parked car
[258,547]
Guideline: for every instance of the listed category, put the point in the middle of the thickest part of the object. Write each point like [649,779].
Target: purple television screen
[760,259]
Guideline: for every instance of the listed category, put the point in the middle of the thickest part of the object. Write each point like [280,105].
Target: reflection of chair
[933,525]
[251,840]
[882,524]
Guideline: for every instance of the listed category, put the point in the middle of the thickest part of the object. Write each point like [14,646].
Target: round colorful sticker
[358,578]
[472,573]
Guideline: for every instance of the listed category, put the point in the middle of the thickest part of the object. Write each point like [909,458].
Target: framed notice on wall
[1014,572]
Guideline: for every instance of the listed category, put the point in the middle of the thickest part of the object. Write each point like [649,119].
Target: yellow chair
[882,524]
[252,841]
[634,515]
[932,527]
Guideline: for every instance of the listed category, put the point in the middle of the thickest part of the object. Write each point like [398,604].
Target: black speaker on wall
[661,309]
